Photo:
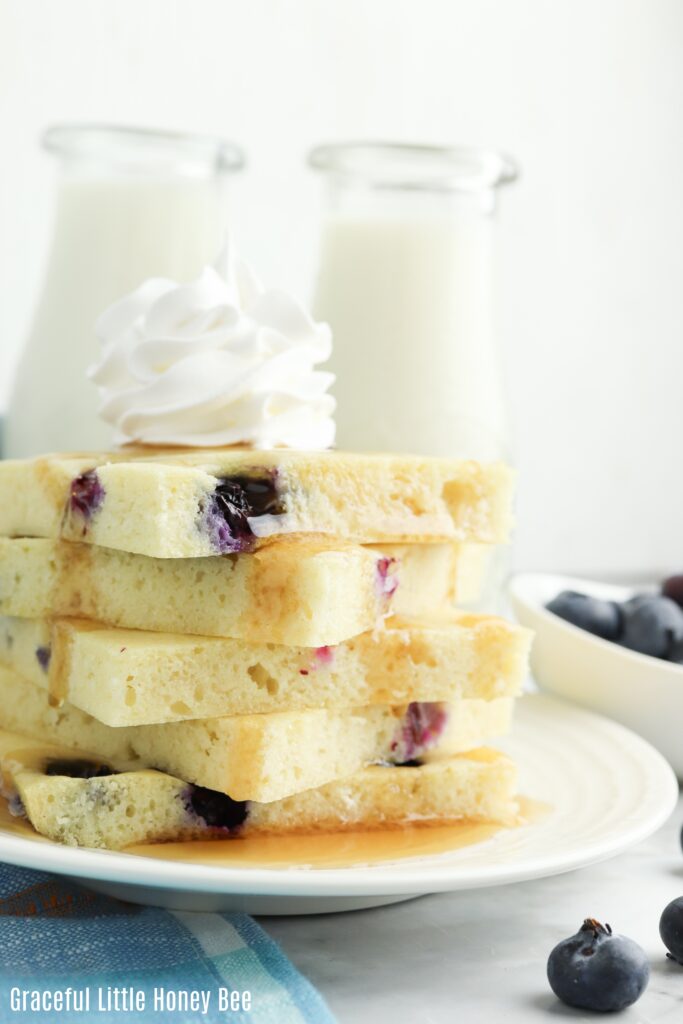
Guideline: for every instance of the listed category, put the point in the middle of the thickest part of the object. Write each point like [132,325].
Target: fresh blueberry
[671,929]
[596,970]
[77,768]
[43,655]
[86,494]
[217,810]
[15,805]
[234,501]
[420,729]
[602,618]
[673,587]
[653,625]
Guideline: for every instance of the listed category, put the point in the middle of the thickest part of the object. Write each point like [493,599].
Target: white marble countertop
[480,956]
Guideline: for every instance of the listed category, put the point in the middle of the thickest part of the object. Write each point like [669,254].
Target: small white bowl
[643,693]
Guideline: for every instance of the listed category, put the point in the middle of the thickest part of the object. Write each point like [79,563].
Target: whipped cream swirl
[217,362]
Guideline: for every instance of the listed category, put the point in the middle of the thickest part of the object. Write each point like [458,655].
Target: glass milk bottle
[131,204]
[407,282]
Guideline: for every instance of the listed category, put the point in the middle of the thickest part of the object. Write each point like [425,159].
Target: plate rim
[410,876]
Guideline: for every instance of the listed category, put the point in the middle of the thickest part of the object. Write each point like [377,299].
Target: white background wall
[588,94]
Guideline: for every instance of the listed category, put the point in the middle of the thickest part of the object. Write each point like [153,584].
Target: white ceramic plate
[608,789]
[643,693]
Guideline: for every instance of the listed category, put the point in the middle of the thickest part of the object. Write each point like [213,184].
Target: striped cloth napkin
[61,945]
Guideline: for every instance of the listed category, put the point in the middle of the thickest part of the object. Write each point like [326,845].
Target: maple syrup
[335,850]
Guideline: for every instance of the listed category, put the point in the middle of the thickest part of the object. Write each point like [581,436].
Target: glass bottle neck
[382,178]
[108,151]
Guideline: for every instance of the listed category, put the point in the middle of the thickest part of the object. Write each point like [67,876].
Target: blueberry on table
[597,970]
[602,618]
[671,929]
[673,587]
[653,625]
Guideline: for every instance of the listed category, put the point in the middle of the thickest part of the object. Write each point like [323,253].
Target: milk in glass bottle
[131,204]
[407,282]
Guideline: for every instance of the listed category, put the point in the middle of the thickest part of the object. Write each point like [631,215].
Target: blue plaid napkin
[61,942]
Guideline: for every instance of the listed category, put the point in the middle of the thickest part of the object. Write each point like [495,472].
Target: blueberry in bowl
[649,623]
[653,625]
[672,587]
[600,617]
[619,653]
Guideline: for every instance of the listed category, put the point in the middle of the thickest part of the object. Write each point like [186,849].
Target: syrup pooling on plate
[340,849]
[327,850]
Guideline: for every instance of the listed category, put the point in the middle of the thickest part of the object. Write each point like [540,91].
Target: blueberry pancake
[306,593]
[82,800]
[264,757]
[188,504]
[133,677]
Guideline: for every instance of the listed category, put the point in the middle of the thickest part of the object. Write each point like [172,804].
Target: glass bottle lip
[414,167]
[128,148]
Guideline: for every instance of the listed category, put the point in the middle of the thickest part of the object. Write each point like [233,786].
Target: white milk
[109,235]
[411,303]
